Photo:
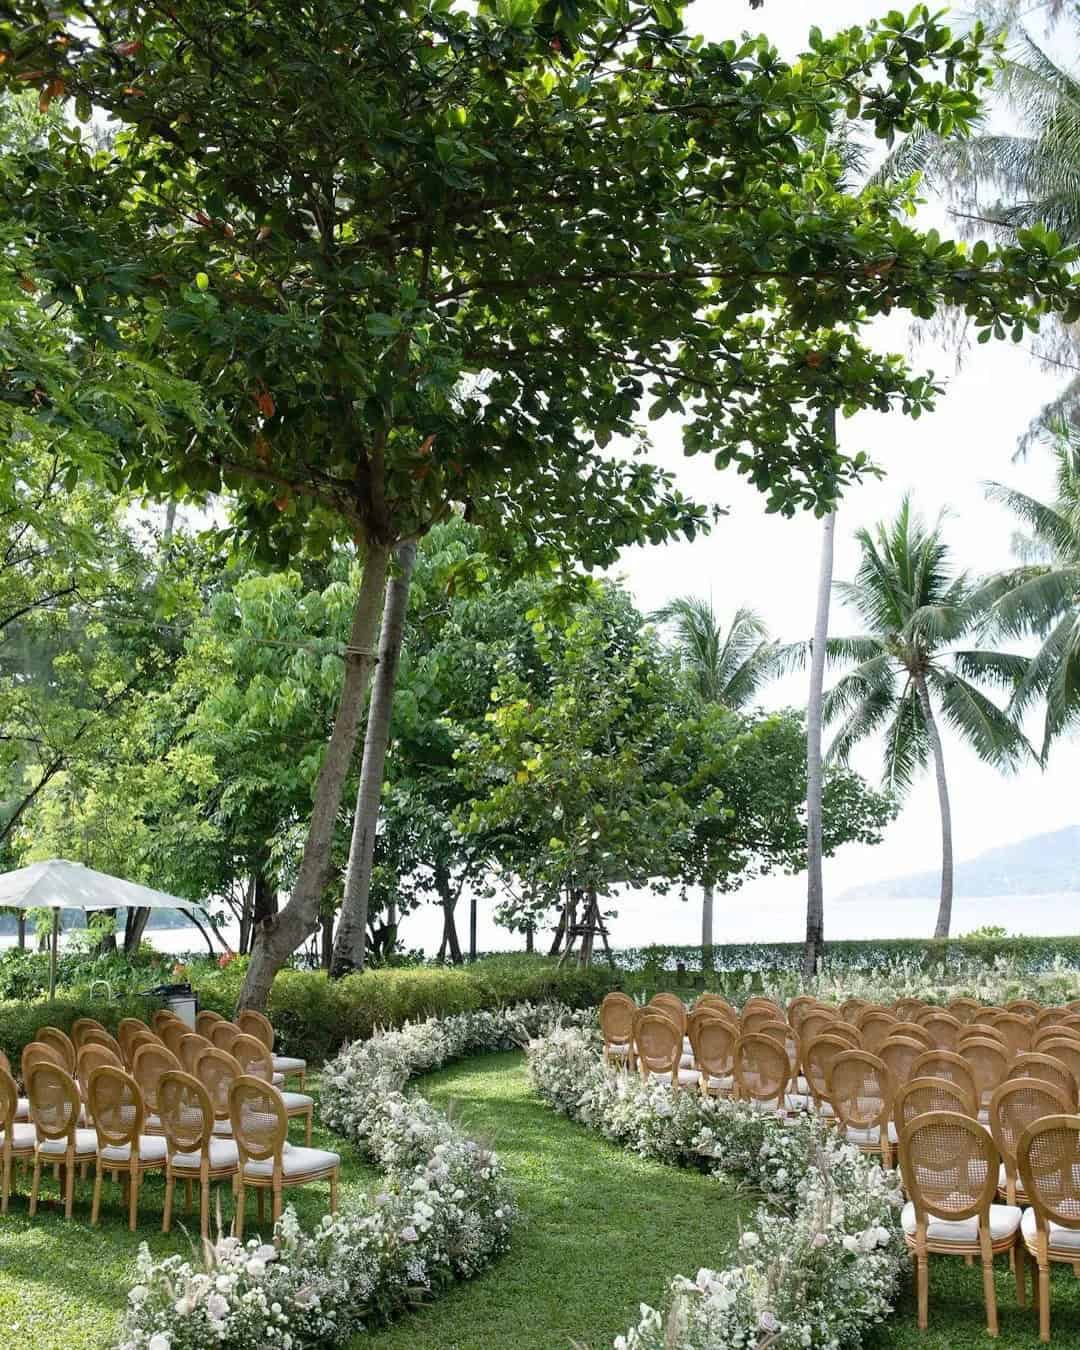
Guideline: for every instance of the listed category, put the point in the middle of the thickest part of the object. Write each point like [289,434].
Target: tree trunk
[560,930]
[815,889]
[472,927]
[944,918]
[245,917]
[280,936]
[351,940]
[326,954]
[20,920]
[448,898]
[106,942]
[706,927]
[134,928]
[529,934]
[264,903]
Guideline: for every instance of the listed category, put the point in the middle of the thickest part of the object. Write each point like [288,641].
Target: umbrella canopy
[57,884]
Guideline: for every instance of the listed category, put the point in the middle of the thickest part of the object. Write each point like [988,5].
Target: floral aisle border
[823,1259]
[444,1213]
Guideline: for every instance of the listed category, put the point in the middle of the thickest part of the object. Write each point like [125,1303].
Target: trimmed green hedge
[20,1019]
[315,1016]
[741,958]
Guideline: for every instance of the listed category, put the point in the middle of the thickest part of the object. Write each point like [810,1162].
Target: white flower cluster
[444,1211]
[820,1264]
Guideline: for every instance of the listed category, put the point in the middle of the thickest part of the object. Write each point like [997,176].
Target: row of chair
[134,1105]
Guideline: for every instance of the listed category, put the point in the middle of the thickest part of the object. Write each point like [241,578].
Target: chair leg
[133,1199]
[275,1212]
[7,1180]
[309,1121]
[69,1187]
[204,1210]
[922,1279]
[34,1186]
[1044,1301]
[95,1204]
[1021,1271]
[333,1191]
[989,1292]
[166,1217]
[238,1209]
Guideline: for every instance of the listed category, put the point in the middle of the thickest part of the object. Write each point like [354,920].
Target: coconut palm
[909,670]
[1042,595]
[725,666]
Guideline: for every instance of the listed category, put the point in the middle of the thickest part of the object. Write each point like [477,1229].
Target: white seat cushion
[23,1136]
[855,1135]
[151,1150]
[687,1061]
[295,1162]
[894,1138]
[85,1145]
[725,1084]
[22,1108]
[687,1077]
[798,1101]
[1003,1180]
[1061,1239]
[297,1101]
[223,1129]
[222,1154]
[802,1087]
[1004,1221]
[687,1048]
[278,1079]
[619,1049]
[287,1064]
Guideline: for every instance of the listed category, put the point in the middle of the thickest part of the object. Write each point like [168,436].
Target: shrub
[20,1019]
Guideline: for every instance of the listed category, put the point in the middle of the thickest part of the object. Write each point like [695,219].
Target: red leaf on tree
[814,359]
[266,404]
[425,449]
[282,503]
[262,449]
[127,48]
[28,285]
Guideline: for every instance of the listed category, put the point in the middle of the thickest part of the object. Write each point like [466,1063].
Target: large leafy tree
[1041,596]
[426,260]
[910,668]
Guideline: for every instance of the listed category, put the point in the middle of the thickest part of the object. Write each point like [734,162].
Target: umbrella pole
[52,960]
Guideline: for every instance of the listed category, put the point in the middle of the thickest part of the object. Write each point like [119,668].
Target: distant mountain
[1045,864]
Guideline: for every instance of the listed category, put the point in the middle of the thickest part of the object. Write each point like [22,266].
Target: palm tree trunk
[815,889]
[351,940]
[944,917]
[278,937]
[706,927]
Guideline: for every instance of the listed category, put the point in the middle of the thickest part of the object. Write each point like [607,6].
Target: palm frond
[988,729]
[907,746]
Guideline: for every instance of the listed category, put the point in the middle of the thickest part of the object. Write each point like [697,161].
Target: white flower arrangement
[820,1264]
[445,1210]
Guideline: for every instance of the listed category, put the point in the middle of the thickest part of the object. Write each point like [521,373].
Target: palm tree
[725,666]
[908,671]
[1042,595]
[815,778]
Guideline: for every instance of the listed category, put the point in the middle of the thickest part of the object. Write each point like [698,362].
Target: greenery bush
[20,1018]
[738,959]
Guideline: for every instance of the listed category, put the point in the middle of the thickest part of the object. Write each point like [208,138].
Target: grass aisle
[601,1229]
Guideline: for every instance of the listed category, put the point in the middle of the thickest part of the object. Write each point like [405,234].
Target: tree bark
[472,927]
[815,889]
[134,928]
[281,935]
[448,898]
[264,903]
[351,940]
[944,917]
[326,954]
[706,927]
[20,920]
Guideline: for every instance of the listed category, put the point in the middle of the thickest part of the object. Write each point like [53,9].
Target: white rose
[749,1240]
[851,1244]
[255,1268]
[217,1307]
[159,1341]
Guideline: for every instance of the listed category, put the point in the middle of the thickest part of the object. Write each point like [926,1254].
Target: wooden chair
[267,1161]
[217,1072]
[963,1008]
[55,1109]
[717,1003]
[252,1023]
[151,1062]
[989,1063]
[256,1062]
[1047,1016]
[1047,1067]
[798,1007]
[117,1110]
[942,1028]
[860,1091]
[172,1033]
[658,1047]
[913,1032]
[162,1018]
[986,1015]
[1013,1107]
[18,1139]
[204,1021]
[920,1097]
[875,1027]
[817,1058]
[816,1022]
[759,1003]
[96,1036]
[851,1008]
[194,1152]
[126,1031]
[1025,1007]
[136,1042]
[898,1054]
[59,1041]
[713,1040]
[981,1031]
[762,1071]
[80,1027]
[93,1057]
[223,1034]
[670,1004]
[756,1018]
[1053,1031]
[1017,1031]
[1065,1049]
[617,1027]
[191,1048]
[950,1168]
[1048,1157]
[951,1066]
[908,1009]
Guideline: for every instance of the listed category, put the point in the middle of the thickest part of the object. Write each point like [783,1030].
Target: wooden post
[55,948]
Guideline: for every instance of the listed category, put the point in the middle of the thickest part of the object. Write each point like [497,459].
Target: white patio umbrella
[57,884]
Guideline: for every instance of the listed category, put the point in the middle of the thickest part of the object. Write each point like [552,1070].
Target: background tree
[1042,595]
[916,609]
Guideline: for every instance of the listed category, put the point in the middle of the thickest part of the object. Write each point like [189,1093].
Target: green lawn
[601,1231]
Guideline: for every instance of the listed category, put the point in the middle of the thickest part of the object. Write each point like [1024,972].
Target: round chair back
[913,1032]
[9,1102]
[762,1069]
[1017,1031]
[1047,1016]
[954,1068]
[80,1027]
[223,1034]
[162,1018]
[798,1007]
[922,1096]
[816,1022]
[941,1027]
[1052,1031]
[218,1071]
[908,1009]
[756,1018]
[136,1043]
[898,1054]
[713,1039]
[252,1023]
[191,1048]
[54,1101]
[253,1057]
[102,1037]
[985,1016]
[1047,1067]
[187,1115]
[1048,1157]
[875,1027]
[950,1166]
[852,1008]
[259,1122]
[718,1003]
[817,1058]
[37,1052]
[126,1032]
[981,1031]
[93,1057]
[151,1063]
[859,1090]
[60,1042]
[116,1107]
[963,1009]
[172,1033]
[617,1019]
[988,1061]
[1014,1106]
[1026,1007]
[658,1041]
[204,1021]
